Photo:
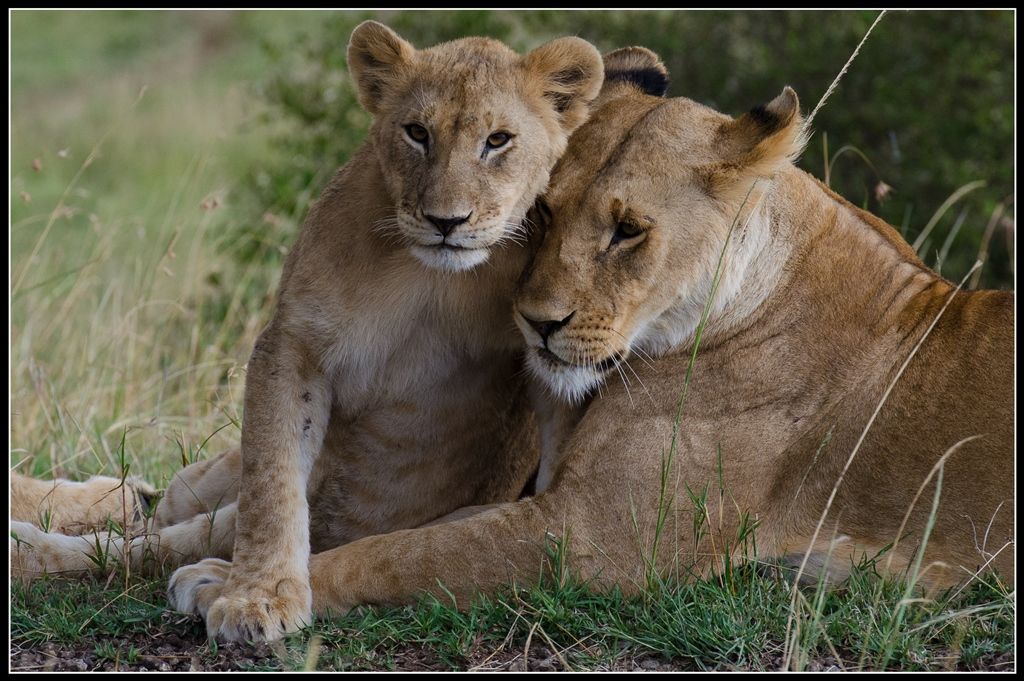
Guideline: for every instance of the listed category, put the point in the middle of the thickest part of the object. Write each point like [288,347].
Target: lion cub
[387,390]
[385,387]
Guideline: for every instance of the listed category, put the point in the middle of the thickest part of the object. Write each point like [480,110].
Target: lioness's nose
[547,327]
[446,225]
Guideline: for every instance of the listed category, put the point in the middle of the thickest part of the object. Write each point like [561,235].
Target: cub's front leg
[287,406]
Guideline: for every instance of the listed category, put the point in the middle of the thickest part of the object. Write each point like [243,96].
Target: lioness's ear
[376,57]
[757,145]
[633,67]
[768,136]
[569,72]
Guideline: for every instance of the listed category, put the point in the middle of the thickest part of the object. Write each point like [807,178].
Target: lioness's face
[467,133]
[637,217]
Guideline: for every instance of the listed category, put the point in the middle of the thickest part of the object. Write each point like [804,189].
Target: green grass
[738,623]
[139,142]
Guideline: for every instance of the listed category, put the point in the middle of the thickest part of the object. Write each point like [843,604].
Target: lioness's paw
[194,588]
[260,614]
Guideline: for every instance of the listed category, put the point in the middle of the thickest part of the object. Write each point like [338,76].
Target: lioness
[387,389]
[818,307]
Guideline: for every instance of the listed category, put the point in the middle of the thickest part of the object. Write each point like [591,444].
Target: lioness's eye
[496,140]
[625,231]
[417,133]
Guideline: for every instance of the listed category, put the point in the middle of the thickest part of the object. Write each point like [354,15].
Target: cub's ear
[635,67]
[569,73]
[376,58]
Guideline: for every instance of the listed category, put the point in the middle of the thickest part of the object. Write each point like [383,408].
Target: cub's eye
[625,231]
[417,133]
[497,140]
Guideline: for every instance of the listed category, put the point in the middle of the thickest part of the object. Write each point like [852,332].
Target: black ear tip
[651,81]
[640,67]
[764,117]
[777,113]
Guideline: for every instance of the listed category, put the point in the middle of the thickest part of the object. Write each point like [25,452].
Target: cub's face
[637,218]
[467,133]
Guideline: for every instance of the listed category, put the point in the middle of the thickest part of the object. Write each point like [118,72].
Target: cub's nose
[549,326]
[445,226]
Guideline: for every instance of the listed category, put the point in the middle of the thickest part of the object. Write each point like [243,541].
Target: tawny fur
[79,507]
[64,527]
[387,391]
[819,305]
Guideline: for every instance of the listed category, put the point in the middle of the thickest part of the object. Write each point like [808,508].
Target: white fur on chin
[571,384]
[450,260]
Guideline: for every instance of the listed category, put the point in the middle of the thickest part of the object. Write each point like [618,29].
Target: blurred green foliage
[928,102]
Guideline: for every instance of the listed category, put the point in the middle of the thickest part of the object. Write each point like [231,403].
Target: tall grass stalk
[937,215]
[896,623]
[839,76]
[994,220]
[943,253]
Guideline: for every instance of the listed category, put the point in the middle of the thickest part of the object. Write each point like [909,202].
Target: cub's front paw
[194,588]
[256,614]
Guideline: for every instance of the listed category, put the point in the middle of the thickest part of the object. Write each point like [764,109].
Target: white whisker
[592,367]
[644,357]
[639,380]
[625,383]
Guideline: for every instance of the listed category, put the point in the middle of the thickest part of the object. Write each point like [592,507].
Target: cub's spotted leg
[202,536]
[59,526]
[287,405]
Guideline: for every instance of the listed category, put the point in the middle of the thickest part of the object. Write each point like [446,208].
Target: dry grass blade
[849,148]
[913,502]
[60,206]
[950,238]
[842,72]
[997,216]
[953,198]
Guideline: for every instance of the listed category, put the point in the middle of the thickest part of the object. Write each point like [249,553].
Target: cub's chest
[401,337]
